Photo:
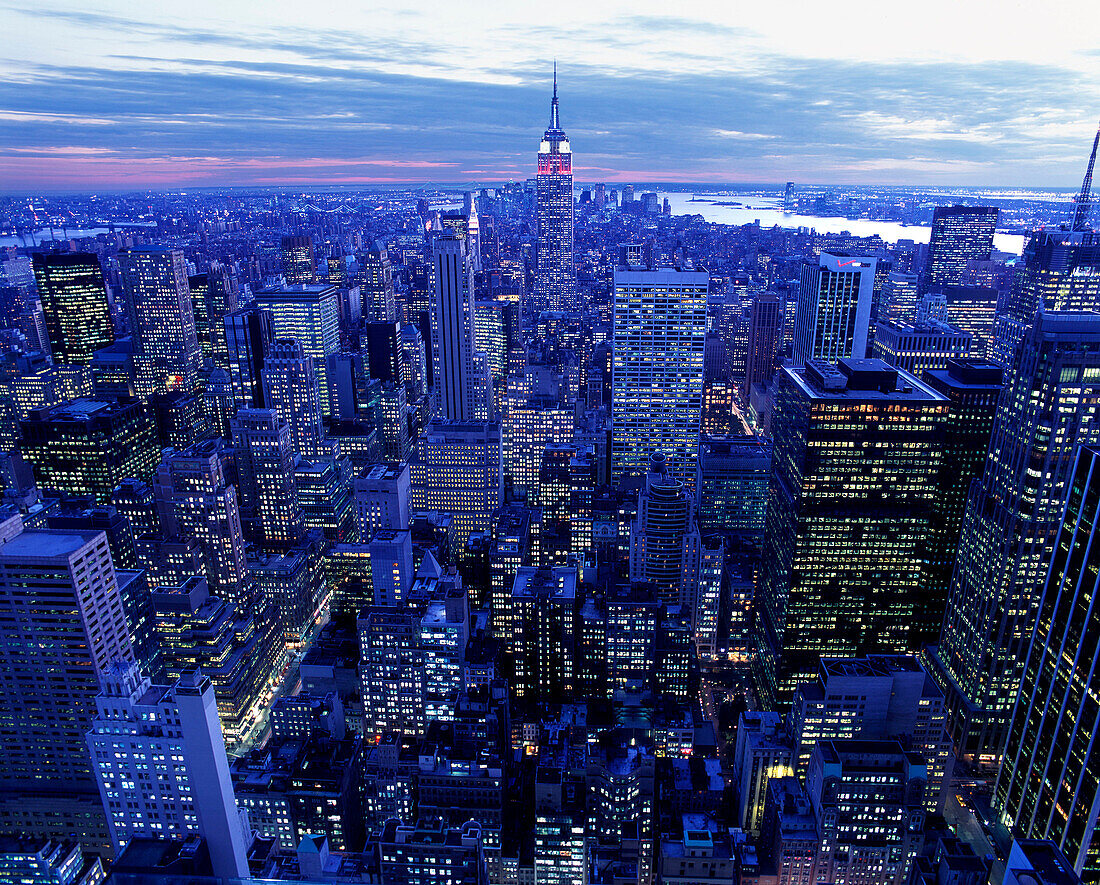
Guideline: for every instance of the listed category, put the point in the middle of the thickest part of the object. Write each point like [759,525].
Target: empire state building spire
[555,276]
[1084,199]
[554,124]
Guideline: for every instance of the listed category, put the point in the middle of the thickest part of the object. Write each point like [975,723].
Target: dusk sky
[212,92]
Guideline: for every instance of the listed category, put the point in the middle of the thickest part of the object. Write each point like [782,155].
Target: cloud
[241,106]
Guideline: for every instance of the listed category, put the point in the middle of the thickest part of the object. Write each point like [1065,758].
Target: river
[766,211]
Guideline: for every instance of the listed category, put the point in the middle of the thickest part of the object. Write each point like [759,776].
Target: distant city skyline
[128,98]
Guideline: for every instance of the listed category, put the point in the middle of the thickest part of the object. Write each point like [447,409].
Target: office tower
[497,331]
[86,447]
[959,234]
[456,469]
[732,485]
[392,423]
[1060,272]
[900,297]
[376,285]
[74,304]
[555,277]
[381,494]
[58,596]
[162,319]
[156,766]
[461,387]
[180,419]
[880,697]
[299,265]
[529,426]
[660,321]
[265,465]
[291,389]
[867,799]
[391,671]
[444,634]
[705,583]
[972,390]
[414,361]
[765,340]
[248,338]
[323,488]
[515,532]
[195,500]
[847,529]
[384,352]
[238,649]
[222,294]
[972,309]
[1045,787]
[465,224]
[539,633]
[560,849]
[762,753]
[916,346]
[632,616]
[834,308]
[664,540]
[310,315]
[292,585]
[133,499]
[1049,404]
[391,566]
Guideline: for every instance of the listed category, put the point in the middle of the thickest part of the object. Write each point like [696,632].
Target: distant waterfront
[765,211]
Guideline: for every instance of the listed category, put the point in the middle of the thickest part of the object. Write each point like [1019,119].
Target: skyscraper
[309,314]
[1061,271]
[290,387]
[87,447]
[158,764]
[849,517]
[456,376]
[959,234]
[555,277]
[972,390]
[765,340]
[1050,402]
[660,322]
[1047,784]
[195,500]
[74,304]
[456,470]
[248,338]
[299,265]
[834,308]
[162,319]
[59,597]
[265,464]
[376,285]
[664,539]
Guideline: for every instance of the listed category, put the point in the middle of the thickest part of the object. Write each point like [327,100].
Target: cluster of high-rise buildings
[525,539]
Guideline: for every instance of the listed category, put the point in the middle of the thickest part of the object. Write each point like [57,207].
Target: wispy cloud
[653,96]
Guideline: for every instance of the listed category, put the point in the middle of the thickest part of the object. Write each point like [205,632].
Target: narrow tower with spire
[1084,199]
[555,276]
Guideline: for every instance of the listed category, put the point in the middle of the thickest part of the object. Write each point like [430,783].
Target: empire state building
[555,277]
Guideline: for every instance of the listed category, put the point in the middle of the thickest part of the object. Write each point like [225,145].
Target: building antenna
[1084,199]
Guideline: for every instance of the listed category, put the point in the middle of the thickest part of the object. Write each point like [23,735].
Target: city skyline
[561,530]
[137,100]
